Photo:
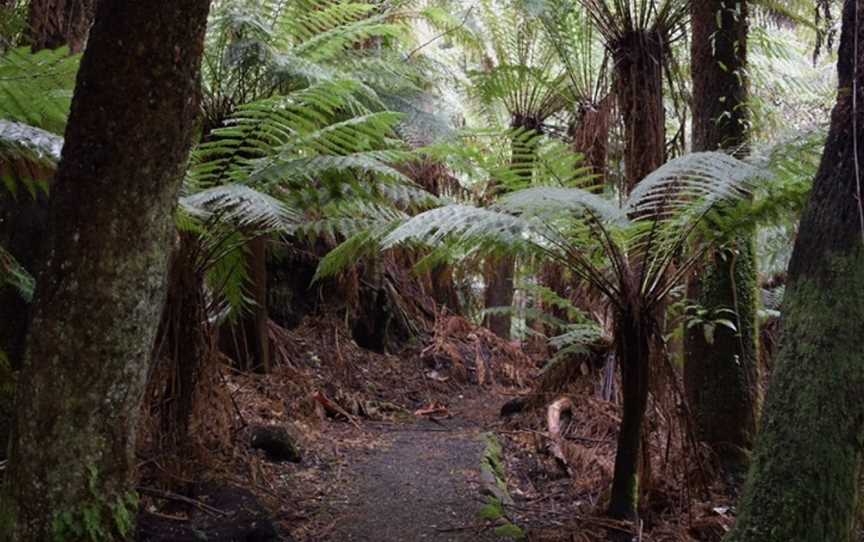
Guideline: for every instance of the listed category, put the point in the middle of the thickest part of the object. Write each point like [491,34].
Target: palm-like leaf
[597,240]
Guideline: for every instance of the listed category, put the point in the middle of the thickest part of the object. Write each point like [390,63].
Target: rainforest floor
[400,447]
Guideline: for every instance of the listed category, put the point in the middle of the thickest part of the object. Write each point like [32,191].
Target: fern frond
[242,207]
[13,274]
[28,156]
[36,88]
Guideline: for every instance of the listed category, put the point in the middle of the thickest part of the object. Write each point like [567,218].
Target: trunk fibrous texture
[721,371]
[101,286]
[634,333]
[55,23]
[638,57]
[589,136]
[804,482]
[183,344]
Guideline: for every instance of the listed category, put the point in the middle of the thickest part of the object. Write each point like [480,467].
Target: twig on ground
[167,495]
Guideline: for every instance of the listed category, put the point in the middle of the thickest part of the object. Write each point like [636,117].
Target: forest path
[419,482]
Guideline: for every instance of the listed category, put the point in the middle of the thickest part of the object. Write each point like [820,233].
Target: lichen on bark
[101,286]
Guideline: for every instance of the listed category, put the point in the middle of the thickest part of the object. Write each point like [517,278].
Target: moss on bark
[804,482]
[101,287]
[721,375]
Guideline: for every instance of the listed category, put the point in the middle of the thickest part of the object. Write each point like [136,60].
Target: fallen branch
[168,496]
[553,422]
[333,408]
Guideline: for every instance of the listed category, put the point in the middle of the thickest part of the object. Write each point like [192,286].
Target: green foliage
[36,88]
[99,519]
[596,239]
[298,138]
[14,275]
[28,157]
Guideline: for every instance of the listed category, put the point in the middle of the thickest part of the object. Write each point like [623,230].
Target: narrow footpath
[420,482]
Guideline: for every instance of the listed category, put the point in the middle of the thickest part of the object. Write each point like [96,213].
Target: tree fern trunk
[639,90]
[632,345]
[499,293]
[721,375]
[589,135]
[246,340]
[55,23]
[804,482]
[184,345]
[102,286]
[501,270]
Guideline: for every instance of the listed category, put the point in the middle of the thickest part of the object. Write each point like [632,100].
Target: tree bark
[501,270]
[632,345]
[639,91]
[804,482]
[245,340]
[499,293]
[55,23]
[183,343]
[102,284]
[721,376]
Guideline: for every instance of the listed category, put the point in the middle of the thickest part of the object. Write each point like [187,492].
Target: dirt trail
[420,482]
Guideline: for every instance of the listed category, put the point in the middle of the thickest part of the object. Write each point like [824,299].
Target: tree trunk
[256,323]
[499,293]
[804,482]
[639,91]
[632,345]
[55,23]
[184,344]
[246,340]
[589,135]
[501,270]
[102,284]
[721,376]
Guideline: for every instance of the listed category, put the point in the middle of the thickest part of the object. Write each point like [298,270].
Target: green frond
[473,225]
[28,156]
[13,274]
[241,207]
[694,183]
[549,203]
[36,88]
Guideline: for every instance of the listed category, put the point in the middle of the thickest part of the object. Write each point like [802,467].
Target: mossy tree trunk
[721,375]
[638,59]
[55,23]
[805,478]
[101,286]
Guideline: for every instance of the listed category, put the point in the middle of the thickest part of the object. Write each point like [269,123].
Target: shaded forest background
[635,224]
